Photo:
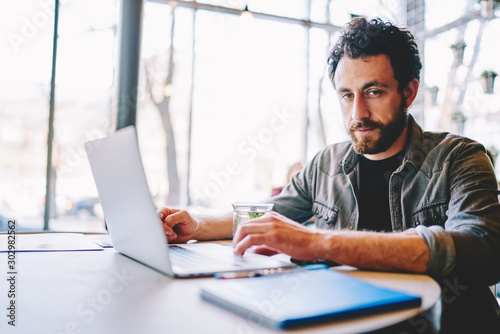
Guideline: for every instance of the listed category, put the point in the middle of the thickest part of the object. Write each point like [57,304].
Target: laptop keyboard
[189,259]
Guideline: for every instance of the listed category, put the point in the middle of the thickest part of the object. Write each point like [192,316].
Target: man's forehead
[355,73]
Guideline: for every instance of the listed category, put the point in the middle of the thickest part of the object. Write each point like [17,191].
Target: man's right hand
[179,225]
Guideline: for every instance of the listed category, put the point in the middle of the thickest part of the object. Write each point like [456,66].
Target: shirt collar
[415,153]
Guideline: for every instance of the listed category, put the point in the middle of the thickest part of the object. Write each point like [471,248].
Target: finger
[249,228]
[257,225]
[171,238]
[161,213]
[247,242]
[169,233]
[165,212]
[175,218]
[168,230]
[266,217]
[264,250]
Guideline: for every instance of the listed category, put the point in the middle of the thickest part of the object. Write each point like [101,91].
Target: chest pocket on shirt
[433,214]
[324,217]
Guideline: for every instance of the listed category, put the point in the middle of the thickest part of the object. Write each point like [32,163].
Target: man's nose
[360,109]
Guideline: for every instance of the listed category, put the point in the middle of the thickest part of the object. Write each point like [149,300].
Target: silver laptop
[134,226]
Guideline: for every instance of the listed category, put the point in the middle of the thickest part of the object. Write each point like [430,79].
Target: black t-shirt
[374,213]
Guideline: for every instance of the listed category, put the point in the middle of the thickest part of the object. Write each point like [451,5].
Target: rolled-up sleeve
[442,250]
[469,242]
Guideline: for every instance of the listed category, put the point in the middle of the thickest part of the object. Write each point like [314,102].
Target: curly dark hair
[361,38]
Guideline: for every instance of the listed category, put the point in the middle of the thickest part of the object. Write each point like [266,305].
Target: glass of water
[244,211]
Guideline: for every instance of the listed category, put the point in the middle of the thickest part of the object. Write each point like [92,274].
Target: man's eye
[374,92]
[347,96]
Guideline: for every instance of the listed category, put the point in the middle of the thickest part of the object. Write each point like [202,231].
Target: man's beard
[388,134]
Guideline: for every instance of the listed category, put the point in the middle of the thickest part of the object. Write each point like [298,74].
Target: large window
[83,109]
[456,60]
[224,111]
[250,98]
[27,30]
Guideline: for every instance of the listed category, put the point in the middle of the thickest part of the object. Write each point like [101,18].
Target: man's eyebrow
[374,83]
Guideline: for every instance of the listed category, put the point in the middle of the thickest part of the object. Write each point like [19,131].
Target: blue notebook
[304,298]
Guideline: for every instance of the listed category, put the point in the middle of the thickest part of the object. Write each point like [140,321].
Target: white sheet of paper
[47,242]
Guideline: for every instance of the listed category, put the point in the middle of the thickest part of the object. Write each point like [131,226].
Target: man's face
[373,108]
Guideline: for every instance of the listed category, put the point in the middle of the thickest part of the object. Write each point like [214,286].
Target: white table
[105,292]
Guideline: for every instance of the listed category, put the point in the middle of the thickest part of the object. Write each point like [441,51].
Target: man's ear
[410,92]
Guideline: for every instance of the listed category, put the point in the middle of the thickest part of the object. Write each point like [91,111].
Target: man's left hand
[274,233]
